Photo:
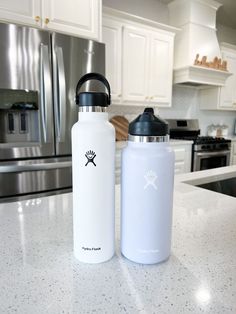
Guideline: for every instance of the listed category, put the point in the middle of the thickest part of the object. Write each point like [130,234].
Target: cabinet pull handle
[37,18]
[46,21]
[146,97]
[151,97]
[119,95]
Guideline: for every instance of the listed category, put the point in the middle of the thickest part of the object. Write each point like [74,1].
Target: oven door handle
[211,154]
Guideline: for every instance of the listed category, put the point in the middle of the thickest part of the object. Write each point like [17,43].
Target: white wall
[150,9]
[185,105]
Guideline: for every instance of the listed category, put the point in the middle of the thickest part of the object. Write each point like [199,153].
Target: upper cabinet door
[111,36]
[26,12]
[228,92]
[135,64]
[75,17]
[160,79]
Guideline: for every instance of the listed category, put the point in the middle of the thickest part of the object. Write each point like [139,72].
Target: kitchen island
[38,273]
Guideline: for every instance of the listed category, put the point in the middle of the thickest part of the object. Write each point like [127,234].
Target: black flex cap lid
[147,124]
[93,98]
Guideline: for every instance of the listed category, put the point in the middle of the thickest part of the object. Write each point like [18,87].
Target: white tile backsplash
[184,105]
[129,111]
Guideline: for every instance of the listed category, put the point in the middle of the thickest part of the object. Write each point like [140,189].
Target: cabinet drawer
[179,167]
[117,176]
[233,148]
[234,160]
[118,159]
[179,154]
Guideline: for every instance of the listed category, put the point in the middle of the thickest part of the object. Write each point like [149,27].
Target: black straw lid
[147,124]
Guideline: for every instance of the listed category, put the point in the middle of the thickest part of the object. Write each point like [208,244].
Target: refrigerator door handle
[46,91]
[35,167]
[61,98]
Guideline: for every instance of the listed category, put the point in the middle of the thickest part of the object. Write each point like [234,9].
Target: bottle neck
[92,109]
[148,139]
[92,113]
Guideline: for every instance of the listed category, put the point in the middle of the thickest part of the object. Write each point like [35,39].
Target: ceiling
[226,14]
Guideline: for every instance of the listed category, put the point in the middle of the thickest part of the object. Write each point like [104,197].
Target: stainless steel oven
[207,152]
[203,160]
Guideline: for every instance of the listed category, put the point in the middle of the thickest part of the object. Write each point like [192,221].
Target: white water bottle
[93,163]
[147,191]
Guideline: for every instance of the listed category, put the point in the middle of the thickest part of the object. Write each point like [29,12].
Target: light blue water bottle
[147,190]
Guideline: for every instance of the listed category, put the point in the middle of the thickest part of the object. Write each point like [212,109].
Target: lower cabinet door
[179,167]
[183,154]
[234,160]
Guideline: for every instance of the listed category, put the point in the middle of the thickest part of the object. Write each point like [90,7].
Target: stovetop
[207,143]
[188,129]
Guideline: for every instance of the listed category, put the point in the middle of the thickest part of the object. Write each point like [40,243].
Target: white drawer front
[117,176]
[179,154]
[179,167]
[234,160]
[233,148]
[118,165]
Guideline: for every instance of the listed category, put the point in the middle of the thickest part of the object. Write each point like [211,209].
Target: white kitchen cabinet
[228,92]
[23,12]
[233,152]
[234,160]
[161,69]
[147,66]
[75,17]
[183,156]
[139,59]
[112,37]
[222,98]
[119,147]
[136,52]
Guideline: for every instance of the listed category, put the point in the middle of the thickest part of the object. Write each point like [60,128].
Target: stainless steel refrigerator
[39,71]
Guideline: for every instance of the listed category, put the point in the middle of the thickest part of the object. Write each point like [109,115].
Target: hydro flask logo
[90,155]
[150,178]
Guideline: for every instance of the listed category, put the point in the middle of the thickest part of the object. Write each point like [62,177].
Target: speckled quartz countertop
[38,273]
